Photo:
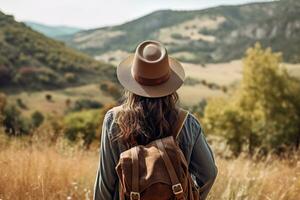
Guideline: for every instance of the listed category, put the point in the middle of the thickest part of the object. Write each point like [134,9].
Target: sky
[97,13]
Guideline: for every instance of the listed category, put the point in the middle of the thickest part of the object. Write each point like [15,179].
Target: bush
[48,97]
[68,102]
[82,124]
[224,89]
[82,104]
[191,81]
[14,123]
[21,104]
[2,106]
[37,119]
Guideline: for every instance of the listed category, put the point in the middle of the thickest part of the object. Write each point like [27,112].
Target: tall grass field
[41,172]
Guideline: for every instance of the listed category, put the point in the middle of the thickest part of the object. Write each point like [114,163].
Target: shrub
[191,81]
[82,124]
[2,106]
[14,123]
[48,97]
[37,119]
[68,102]
[224,89]
[21,104]
[213,86]
[86,104]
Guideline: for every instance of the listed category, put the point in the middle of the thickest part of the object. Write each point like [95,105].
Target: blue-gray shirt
[191,141]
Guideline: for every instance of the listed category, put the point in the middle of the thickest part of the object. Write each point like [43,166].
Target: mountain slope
[52,31]
[213,35]
[30,60]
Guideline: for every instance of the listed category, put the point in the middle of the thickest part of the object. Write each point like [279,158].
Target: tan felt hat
[150,72]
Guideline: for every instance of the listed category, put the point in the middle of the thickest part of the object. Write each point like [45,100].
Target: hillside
[217,34]
[30,60]
[52,31]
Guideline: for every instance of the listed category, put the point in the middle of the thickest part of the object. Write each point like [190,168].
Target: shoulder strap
[180,122]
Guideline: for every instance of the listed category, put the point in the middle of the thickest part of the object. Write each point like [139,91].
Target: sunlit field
[60,172]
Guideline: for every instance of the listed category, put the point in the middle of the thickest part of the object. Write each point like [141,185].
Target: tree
[264,112]
[267,99]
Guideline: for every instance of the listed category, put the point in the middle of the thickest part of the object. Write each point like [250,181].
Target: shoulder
[109,118]
[192,129]
[193,122]
[111,113]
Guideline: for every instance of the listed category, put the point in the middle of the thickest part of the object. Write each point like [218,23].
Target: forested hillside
[30,60]
[212,35]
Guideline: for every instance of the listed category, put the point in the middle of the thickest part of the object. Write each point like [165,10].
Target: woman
[149,112]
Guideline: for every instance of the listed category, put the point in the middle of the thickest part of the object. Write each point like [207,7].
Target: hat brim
[171,85]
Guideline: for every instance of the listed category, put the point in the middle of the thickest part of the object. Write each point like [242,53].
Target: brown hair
[144,119]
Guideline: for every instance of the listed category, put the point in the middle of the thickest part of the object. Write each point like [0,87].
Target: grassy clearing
[37,101]
[62,172]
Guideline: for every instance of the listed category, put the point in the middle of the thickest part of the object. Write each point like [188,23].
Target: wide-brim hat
[150,72]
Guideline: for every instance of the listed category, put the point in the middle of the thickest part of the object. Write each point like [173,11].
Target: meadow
[53,98]
[58,172]
[58,158]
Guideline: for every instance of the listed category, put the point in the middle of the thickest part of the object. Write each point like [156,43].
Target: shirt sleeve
[202,164]
[106,177]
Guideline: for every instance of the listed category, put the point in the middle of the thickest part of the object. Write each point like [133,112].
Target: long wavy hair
[142,120]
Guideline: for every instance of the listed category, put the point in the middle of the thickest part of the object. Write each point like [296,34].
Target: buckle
[177,189]
[134,196]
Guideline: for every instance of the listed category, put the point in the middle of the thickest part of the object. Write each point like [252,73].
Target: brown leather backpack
[157,171]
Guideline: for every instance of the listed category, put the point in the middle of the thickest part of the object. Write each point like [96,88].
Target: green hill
[212,35]
[30,60]
[52,31]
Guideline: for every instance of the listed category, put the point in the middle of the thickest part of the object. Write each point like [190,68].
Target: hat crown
[151,63]
[151,52]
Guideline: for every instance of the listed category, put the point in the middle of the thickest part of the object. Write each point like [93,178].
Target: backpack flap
[144,166]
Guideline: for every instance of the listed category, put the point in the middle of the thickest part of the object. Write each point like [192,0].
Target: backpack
[156,171]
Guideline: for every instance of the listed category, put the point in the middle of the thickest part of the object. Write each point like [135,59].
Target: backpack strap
[176,185]
[180,122]
[134,194]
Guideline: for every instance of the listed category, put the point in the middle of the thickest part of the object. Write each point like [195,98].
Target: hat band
[152,81]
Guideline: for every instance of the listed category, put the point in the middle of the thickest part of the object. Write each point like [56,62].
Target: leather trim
[135,169]
[182,117]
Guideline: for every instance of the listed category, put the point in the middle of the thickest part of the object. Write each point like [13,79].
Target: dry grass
[38,173]
[49,173]
[246,179]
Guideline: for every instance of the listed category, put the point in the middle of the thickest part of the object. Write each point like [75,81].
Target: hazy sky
[96,13]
